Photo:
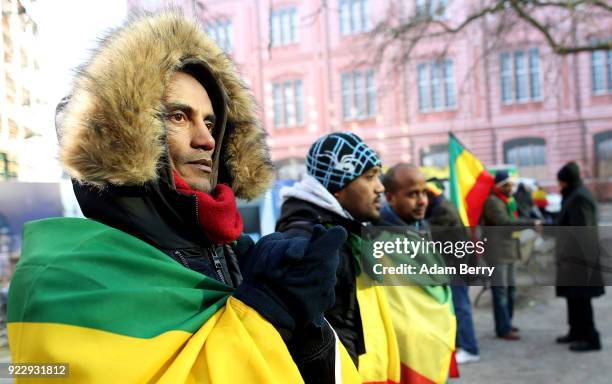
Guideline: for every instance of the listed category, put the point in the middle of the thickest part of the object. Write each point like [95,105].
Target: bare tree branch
[556,46]
[601,4]
[485,11]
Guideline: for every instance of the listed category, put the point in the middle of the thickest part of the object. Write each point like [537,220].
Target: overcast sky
[68,30]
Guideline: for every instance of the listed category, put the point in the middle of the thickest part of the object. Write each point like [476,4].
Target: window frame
[288,103]
[359,96]
[224,25]
[520,71]
[348,11]
[284,28]
[436,82]
[432,150]
[524,142]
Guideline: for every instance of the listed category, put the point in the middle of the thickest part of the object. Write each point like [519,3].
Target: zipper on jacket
[181,258]
[216,260]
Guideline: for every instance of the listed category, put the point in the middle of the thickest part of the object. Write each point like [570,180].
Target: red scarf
[508,201]
[217,212]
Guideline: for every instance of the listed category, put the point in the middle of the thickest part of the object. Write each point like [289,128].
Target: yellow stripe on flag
[381,362]
[234,345]
[425,330]
[468,168]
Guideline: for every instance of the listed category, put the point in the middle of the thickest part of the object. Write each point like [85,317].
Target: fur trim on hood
[113,130]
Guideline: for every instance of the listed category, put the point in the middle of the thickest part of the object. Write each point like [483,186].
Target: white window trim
[365,93]
[441,67]
[514,100]
[284,107]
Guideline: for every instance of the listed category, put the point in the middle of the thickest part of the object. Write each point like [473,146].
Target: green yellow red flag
[117,309]
[470,182]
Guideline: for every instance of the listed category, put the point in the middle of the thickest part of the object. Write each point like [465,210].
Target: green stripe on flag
[454,151]
[73,266]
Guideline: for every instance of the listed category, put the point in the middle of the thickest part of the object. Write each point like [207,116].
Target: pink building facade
[312,69]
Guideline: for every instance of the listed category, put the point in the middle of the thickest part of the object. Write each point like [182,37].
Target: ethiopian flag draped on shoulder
[409,330]
[470,182]
[409,333]
[119,310]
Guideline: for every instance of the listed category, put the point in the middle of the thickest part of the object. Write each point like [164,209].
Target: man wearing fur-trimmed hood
[159,135]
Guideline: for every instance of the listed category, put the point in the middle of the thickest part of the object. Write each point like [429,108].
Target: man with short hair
[446,225]
[342,187]
[158,284]
[406,193]
[502,251]
[423,317]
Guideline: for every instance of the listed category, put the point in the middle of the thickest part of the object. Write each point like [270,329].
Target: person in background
[540,199]
[446,225]
[524,202]
[424,321]
[342,187]
[502,251]
[579,277]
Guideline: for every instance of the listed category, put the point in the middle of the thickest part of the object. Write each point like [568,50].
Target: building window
[603,154]
[221,32]
[358,95]
[528,155]
[435,156]
[436,85]
[284,26]
[520,76]
[435,9]
[288,103]
[601,72]
[354,16]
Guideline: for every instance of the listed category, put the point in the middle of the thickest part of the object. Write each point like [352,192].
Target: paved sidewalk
[536,358]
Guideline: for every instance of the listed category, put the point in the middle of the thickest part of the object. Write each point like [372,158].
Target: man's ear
[390,198]
[340,196]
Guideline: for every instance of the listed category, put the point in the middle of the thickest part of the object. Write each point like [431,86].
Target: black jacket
[113,143]
[445,225]
[578,263]
[297,218]
[168,221]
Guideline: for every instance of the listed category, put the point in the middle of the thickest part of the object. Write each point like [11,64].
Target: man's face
[361,197]
[410,199]
[506,189]
[190,121]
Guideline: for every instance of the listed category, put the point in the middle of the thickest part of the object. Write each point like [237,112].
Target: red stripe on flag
[454,368]
[410,376]
[476,197]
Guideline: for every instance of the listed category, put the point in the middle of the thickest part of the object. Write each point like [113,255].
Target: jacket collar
[311,190]
[389,217]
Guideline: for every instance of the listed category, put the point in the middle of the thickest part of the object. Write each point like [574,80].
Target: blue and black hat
[339,158]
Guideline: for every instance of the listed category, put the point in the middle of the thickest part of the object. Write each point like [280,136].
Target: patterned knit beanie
[339,158]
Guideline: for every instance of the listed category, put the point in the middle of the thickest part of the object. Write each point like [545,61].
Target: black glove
[290,281]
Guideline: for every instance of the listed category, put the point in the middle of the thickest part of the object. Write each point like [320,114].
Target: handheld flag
[470,182]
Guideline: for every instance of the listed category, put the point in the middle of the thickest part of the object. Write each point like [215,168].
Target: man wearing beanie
[341,187]
[578,274]
[502,251]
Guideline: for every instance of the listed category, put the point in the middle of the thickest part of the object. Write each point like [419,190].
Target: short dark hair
[390,179]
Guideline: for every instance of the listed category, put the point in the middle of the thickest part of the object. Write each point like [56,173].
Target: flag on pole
[470,182]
